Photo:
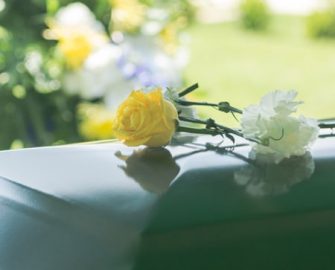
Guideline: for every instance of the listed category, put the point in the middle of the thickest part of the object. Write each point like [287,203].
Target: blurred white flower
[127,15]
[33,62]
[281,135]
[157,18]
[152,65]
[158,14]
[113,71]
[152,28]
[78,33]
[77,15]
[97,68]
[142,63]
[99,75]
[2,5]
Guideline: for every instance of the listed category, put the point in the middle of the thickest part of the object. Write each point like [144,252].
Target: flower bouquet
[152,119]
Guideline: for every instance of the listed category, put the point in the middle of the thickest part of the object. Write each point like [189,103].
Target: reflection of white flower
[280,133]
[266,178]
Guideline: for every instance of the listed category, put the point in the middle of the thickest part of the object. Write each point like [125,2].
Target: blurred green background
[237,65]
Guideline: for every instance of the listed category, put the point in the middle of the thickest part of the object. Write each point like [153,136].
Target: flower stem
[211,123]
[206,131]
[194,103]
[188,90]
[221,106]
[327,125]
[213,128]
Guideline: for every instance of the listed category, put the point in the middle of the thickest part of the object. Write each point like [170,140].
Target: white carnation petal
[271,122]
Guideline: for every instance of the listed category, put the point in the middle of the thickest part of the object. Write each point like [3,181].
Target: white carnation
[281,134]
[279,102]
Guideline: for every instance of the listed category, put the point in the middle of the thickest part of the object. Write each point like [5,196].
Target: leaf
[230,137]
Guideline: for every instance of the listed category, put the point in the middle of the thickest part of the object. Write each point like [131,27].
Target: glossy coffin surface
[107,206]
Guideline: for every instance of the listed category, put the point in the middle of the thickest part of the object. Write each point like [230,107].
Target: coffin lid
[92,206]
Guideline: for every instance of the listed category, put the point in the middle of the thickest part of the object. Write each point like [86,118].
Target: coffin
[190,206]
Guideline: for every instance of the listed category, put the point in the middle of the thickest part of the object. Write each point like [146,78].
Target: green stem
[326,135]
[221,106]
[218,129]
[194,103]
[327,125]
[223,128]
[204,131]
[188,90]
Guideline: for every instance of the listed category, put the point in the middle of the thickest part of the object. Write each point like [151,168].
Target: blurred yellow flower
[76,44]
[169,35]
[75,49]
[127,15]
[145,119]
[77,31]
[169,38]
[96,122]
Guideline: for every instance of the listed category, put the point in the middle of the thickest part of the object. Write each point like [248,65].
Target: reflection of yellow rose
[145,118]
[153,168]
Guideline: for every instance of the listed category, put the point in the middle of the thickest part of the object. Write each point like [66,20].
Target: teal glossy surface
[107,206]
[207,221]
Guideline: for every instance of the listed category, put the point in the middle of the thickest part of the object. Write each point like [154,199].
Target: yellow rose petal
[145,119]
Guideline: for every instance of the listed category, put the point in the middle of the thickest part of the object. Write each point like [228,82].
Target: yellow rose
[145,119]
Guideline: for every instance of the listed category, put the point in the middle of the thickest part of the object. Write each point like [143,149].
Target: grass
[240,66]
